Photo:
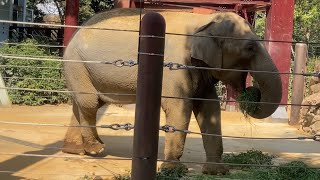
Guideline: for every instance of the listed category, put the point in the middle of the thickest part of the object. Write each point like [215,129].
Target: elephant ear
[207,49]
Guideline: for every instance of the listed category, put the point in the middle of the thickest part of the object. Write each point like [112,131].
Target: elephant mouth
[248,100]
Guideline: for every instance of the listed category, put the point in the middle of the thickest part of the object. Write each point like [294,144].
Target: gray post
[298,82]
[148,100]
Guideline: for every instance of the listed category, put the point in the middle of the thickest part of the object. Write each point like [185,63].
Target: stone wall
[310,115]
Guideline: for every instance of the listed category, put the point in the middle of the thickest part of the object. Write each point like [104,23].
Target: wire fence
[314,52]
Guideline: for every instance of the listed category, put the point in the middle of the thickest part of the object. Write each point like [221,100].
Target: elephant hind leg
[88,104]
[73,139]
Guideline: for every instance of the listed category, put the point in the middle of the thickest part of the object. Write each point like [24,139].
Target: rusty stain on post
[298,82]
[148,102]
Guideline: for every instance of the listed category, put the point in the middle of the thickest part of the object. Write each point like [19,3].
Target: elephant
[242,50]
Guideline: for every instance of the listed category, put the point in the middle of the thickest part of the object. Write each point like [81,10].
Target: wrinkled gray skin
[99,45]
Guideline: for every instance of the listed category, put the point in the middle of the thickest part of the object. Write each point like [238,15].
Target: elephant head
[240,51]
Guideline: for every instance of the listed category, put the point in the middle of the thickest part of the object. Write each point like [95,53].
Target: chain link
[122,63]
[175,66]
[127,126]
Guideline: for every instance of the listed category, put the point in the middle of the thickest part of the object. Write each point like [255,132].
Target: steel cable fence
[130,63]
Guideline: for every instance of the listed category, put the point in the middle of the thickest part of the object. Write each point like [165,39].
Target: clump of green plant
[295,170]
[246,101]
[175,173]
[121,177]
[32,77]
[249,157]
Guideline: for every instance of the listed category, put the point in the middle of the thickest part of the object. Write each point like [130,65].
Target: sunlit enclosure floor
[43,140]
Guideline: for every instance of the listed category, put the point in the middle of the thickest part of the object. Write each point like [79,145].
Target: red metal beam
[72,12]
[279,26]
[253,2]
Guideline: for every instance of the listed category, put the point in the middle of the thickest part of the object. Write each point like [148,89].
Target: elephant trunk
[270,85]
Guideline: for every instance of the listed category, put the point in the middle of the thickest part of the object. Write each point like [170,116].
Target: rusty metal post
[149,88]
[72,12]
[298,82]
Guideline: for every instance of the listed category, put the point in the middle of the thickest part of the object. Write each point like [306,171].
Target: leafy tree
[87,8]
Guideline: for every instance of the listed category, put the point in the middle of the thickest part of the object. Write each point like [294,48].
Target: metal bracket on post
[298,82]
[148,100]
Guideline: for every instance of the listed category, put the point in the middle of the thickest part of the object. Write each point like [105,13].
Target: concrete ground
[20,139]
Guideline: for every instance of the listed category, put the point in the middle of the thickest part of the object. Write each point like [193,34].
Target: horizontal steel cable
[62,156]
[166,97]
[50,174]
[172,129]
[159,160]
[66,91]
[28,78]
[116,126]
[37,45]
[234,38]
[235,164]
[35,67]
[66,26]
[168,33]
[170,65]
[34,56]
[118,63]
[167,129]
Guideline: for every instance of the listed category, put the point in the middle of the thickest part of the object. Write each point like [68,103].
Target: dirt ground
[22,139]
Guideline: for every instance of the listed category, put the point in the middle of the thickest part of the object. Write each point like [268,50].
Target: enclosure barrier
[146,126]
[148,99]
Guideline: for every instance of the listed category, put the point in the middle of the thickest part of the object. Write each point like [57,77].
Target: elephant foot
[173,166]
[73,148]
[214,169]
[94,147]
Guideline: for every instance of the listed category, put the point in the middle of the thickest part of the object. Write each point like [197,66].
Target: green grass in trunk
[246,101]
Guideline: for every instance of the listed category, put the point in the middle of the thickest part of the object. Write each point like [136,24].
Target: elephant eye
[251,46]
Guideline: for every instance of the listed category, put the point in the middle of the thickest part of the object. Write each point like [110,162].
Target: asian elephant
[241,51]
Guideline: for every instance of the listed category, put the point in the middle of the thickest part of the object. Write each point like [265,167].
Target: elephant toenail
[93,152]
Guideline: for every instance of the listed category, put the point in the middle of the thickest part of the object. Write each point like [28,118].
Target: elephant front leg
[208,116]
[178,113]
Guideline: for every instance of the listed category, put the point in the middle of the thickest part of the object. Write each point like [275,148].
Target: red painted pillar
[72,12]
[279,26]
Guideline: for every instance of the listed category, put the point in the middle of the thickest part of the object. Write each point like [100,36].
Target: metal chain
[178,66]
[170,65]
[172,129]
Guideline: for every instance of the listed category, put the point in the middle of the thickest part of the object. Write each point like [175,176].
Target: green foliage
[260,24]
[15,73]
[306,20]
[88,8]
[298,171]
[249,157]
[175,173]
